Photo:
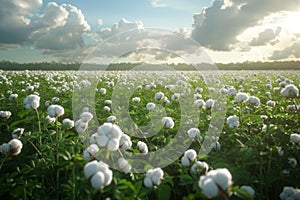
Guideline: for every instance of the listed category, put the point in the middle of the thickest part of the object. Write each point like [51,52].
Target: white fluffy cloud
[57,27]
[217,26]
[265,37]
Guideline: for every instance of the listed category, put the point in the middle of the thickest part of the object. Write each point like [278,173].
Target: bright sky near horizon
[228,30]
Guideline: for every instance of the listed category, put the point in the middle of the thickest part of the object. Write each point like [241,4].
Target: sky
[222,31]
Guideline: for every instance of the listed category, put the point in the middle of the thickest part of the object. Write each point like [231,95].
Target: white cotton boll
[102,140]
[190,154]
[86,116]
[13,96]
[125,142]
[32,101]
[295,138]
[103,91]
[148,182]
[15,147]
[136,100]
[86,155]
[156,180]
[91,168]
[111,118]
[175,97]
[254,101]
[194,133]
[68,122]
[55,110]
[199,166]
[200,103]
[159,96]
[167,122]
[150,106]
[97,180]
[106,108]
[17,133]
[108,176]
[47,103]
[292,162]
[231,91]
[142,146]
[215,145]
[5,114]
[124,165]
[197,96]
[185,161]
[233,121]
[223,178]
[209,103]
[290,91]
[35,104]
[4,148]
[116,132]
[208,186]
[81,126]
[107,102]
[241,97]
[249,189]
[93,149]
[113,144]
[271,103]
[50,119]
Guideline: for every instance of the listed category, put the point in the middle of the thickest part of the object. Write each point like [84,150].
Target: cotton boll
[185,161]
[15,146]
[241,97]
[148,182]
[150,106]
[4,148]
[124,165]
[194,133]
[125,142]
[200,103]
[91,168]
[190,154]
[68,122]
[209,103]
[93,149]
[249,189]
[295,138]
[111,119]
[142,146]
[106,108]
[136,99]
[290,91]
[208,186]
[199,167]
[113,144]
[223,178]
[167,122]
[97,180]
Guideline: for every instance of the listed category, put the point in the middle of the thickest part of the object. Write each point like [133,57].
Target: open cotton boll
[208,186]
[159,96]
[124,165]
[150,106]
[241,97]
[190,154]
[111,119]
[15,146]
[153,177]
[249,189]
[200,103]
[55,110]
[199,167]
[295,138]
[68,122]
[91,168]
[97,180]
[4,148]
[233,121]
[223,178]
[185,161]
[5,114]
[254,101]
[167,122]
[209,103]
[194,133]
[81,126]
[136,99]
[86,116]
[102,91]
[290,91]
[125,142]
[142,146]
[32,101]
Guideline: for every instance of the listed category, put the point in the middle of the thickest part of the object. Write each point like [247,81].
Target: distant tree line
[278,65]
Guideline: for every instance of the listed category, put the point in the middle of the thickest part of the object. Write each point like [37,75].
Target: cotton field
[150,135]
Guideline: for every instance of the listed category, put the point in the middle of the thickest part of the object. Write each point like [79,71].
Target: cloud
[217,26]
[15,20]
[292,51]
[63,26]
[265,37]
